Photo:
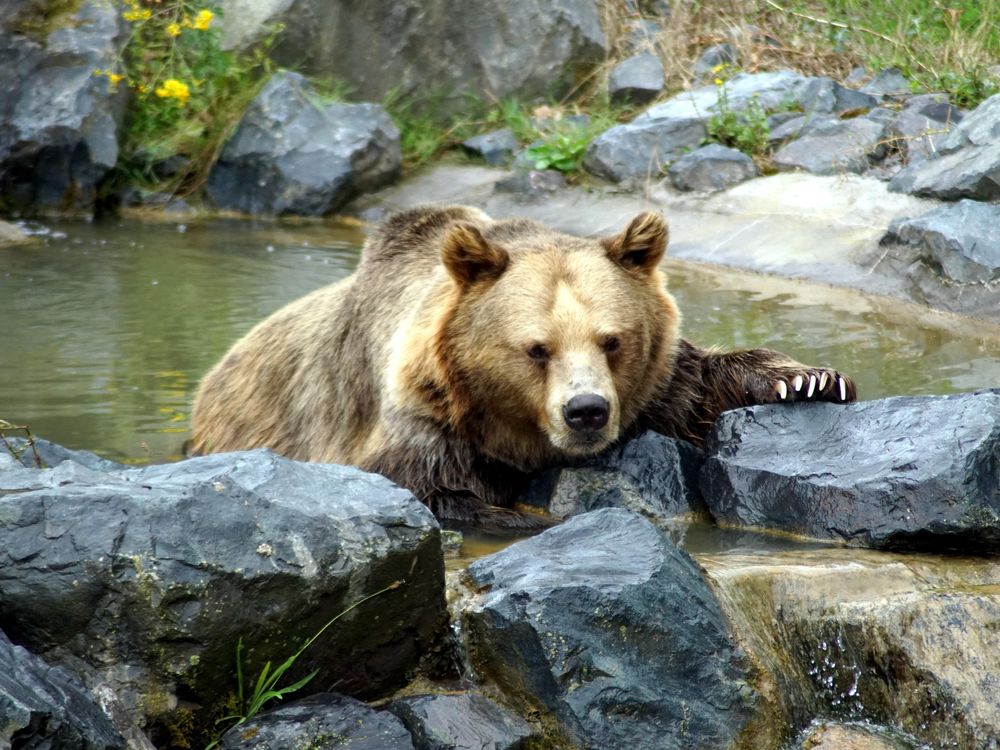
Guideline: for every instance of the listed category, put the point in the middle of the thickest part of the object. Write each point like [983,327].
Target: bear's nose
[586,412]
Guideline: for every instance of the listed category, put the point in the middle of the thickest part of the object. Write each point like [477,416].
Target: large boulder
[637,80]
[58,120]
[605,625]
[835,146]
[898,473]
[441,53]
[48,707]
[146,579]
[292,154]
[462,721]
[712,167]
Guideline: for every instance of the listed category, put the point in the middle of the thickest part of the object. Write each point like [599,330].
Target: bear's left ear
[641,245]
[470,257]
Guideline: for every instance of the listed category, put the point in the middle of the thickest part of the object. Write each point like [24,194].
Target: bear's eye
[611,344]
[539,353]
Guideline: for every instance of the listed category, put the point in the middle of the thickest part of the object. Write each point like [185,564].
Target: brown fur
[446,360]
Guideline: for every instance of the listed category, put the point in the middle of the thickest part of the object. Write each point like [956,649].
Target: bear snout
[586,412]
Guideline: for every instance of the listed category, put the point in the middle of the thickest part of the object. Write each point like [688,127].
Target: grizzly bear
[466,353]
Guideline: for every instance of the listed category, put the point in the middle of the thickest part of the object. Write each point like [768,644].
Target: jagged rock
[834,146]
[888,83]
[898,473]
[573,622]
[326,720]
[156,574]
[533,184]
[712,167]
[495,148]
[436,52]
[712,57]
[921,128]
[47,707]
[962,239]
[58,121]
[465,721]
[666,131]
[636,79]
[650,474]
[980,127]
[293,155]
[824,95]
[51,455]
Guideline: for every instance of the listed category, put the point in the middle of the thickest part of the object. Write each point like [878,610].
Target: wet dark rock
[604,623]
[293,155]
[636,79]
[962,239]
[532,185]
[888,83]
[650,474]
[158,572]
[900,473]
[712,167]
[710,60]
[666,131]
[325,720]
[834,146]
[58,121]
[496,148]
[47,707]
[436,52]
[465,721]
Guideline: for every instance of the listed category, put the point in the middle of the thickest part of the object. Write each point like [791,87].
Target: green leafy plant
[266,687]
[746,129]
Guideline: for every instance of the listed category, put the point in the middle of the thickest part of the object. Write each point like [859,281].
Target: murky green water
[107,327]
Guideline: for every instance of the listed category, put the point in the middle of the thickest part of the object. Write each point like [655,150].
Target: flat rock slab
[901,473]
[320,722]
[464,721]
[151,576]
[834,146]
[605,624]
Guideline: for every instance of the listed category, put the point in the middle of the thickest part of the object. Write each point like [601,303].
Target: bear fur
[466,353]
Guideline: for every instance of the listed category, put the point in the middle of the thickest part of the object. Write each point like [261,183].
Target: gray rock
[935,107]
[834,146]
[438,52]
[666,131]
[47,707]
[641,35]
[58,121]
[158,572]
[573,622]
[712,57]
[857,77]
[496,148]
[712,167]
[835,735]
[464,721]
[824,95]
[888,83]
[971,172]
[898,473]
[322,721]
[533,184]
[51,455]
[294,155]
[636,79]
[650,474]
[981,127]
[918,136]
[962,239]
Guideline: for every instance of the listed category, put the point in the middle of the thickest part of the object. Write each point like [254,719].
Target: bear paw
[813,385]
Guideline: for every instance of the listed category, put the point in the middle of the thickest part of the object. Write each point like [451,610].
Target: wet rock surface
[651,474]
[59,121]
[48,707]
[607,625]
[898,473]
[292,155]
[158,572]
[465,721]
[962,239]
[712,167]
[326,720]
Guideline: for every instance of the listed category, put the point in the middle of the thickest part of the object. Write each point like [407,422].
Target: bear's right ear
[641,245]
[470,257]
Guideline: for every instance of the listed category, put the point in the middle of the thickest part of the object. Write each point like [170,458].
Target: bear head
[549,345]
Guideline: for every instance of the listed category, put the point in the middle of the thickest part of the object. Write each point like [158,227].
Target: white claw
[782,390]
[843,388]
[797,383]
[822,381]
[812,386]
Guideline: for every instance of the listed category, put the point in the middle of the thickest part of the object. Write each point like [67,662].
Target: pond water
[108,326]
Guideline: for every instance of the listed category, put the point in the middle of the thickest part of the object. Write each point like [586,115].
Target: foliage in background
[187,93]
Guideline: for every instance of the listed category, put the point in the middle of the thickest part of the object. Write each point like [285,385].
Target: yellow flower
[718,81]
[142,88]
[114,78]
[174,89]
[203,19]
[137,14]
[173,29]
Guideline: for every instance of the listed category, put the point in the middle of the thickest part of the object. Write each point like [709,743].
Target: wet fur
[392,369]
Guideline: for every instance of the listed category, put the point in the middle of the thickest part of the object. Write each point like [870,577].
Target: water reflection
[109,326]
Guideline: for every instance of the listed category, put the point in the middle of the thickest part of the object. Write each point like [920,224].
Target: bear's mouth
[584,445]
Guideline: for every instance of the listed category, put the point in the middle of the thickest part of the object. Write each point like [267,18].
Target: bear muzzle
[586,412]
